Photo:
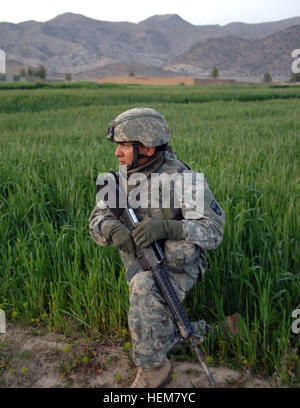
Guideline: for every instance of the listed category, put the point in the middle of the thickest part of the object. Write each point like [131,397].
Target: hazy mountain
[255,31]
[123,69]
[236,56]
[75,43]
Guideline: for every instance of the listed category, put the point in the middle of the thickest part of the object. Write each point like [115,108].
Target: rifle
[151,258]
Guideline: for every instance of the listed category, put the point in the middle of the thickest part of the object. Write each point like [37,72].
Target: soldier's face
[124,153]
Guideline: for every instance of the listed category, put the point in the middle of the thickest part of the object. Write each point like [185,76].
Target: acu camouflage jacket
[203,230]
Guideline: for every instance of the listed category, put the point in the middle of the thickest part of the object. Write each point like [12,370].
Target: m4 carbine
[151,258]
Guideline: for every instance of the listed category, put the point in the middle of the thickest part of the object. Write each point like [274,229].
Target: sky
[197,12]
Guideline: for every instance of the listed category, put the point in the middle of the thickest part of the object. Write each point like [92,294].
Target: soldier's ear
[151,151]
[147,151]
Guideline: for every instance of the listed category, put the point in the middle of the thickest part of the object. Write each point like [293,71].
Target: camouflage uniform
[150,321]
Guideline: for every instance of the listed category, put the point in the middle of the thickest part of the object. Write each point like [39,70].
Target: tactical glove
[120,235]
[153,229]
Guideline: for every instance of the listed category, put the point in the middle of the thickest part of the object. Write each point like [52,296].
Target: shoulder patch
[215,207]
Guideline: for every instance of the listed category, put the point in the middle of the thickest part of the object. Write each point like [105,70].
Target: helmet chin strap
[136,156]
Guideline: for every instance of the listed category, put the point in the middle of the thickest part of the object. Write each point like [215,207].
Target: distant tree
[214,72]
[131,73]
[295,78]
[30,74]
[23,73]
[68,77]
[41,73]
[267,77]
[27,73]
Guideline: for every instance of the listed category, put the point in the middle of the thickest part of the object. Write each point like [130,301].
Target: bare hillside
[78,44]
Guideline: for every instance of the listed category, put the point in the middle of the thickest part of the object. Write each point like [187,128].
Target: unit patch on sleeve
[214,206]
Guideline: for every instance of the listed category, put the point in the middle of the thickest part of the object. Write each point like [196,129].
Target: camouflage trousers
[152,328]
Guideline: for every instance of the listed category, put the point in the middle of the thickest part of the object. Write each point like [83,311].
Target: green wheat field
[245,139]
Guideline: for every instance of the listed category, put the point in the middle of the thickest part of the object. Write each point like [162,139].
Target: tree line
[267,78]
[30,74]
[40,73]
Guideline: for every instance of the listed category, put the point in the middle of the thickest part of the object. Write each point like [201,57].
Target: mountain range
[158,46]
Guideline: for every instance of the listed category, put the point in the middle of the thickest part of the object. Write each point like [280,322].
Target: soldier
[142,137]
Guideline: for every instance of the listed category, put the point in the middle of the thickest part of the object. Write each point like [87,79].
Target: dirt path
[32,359]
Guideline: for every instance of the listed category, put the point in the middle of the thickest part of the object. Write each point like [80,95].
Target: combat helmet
[144,125]
[139,125]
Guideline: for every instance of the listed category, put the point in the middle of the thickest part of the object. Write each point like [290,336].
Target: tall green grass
[25,100]
[57,85]
[53,145]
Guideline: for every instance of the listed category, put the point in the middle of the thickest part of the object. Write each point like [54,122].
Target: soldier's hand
[151,230]
[119,235]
